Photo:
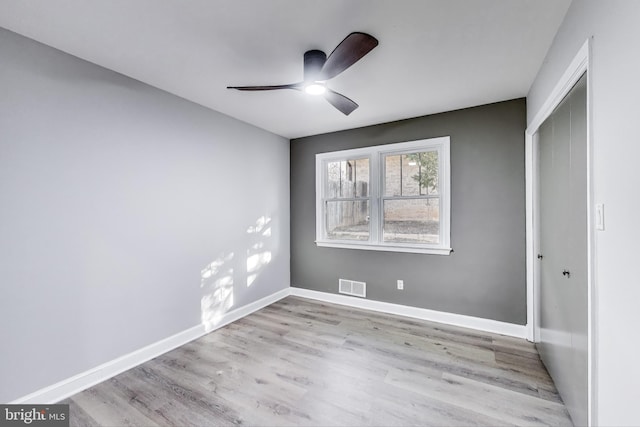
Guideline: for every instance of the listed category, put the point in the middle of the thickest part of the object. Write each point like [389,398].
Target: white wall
[615,86]
[115,199]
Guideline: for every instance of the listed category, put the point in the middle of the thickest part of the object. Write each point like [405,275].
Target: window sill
[385,248]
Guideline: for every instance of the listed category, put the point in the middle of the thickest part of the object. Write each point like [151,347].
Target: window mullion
[440,204]
[444,190]
[321,191]
[374,220]
[325,198]
[381,183]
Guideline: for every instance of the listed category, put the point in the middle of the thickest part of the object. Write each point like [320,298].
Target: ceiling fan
[318,68]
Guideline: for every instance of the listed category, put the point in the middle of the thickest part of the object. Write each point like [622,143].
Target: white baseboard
[477,323]
[70,386]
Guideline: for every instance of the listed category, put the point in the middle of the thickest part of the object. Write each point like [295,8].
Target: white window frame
[376,155]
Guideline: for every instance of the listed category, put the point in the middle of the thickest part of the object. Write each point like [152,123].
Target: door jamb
[578,66]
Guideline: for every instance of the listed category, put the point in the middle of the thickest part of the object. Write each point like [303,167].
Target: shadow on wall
[223,277]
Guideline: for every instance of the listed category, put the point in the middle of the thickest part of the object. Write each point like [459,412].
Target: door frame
[578,66]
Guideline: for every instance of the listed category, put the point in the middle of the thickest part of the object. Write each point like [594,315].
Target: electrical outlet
[400,284]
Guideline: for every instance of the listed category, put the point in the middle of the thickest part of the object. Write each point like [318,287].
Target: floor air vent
[351,287]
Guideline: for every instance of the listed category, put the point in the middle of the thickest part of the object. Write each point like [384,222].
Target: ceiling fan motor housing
[313,62]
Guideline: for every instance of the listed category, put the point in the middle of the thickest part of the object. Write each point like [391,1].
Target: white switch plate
[400,284]
[599,216]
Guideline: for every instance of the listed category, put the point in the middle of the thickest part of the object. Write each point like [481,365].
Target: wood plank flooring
[302,362]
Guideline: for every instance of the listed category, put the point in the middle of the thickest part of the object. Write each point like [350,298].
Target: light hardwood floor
[301,362]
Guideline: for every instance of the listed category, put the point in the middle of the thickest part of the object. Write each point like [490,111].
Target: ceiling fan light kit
[318,68]
[315,88]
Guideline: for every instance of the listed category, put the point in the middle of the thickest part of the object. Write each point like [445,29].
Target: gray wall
[114,197]
[485,276]
[614,86]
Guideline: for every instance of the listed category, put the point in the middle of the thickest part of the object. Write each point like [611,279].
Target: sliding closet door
[563,246]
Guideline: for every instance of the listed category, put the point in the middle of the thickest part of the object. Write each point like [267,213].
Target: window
[391,197]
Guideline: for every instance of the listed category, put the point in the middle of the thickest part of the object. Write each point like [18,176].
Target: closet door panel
[577,253]
[555,322]
[563,230]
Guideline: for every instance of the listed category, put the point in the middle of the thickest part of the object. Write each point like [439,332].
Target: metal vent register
[351,287]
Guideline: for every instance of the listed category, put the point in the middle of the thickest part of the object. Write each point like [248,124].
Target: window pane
[333,179]
[392,176]
[412,221]
[347,220]
[413,174]
[361,177]
[348,178]
[429,169]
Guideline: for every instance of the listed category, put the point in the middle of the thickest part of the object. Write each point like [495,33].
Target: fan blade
[348,52]
[274,87]
[341,102]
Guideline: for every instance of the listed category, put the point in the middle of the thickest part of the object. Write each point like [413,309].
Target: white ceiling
[433,56]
